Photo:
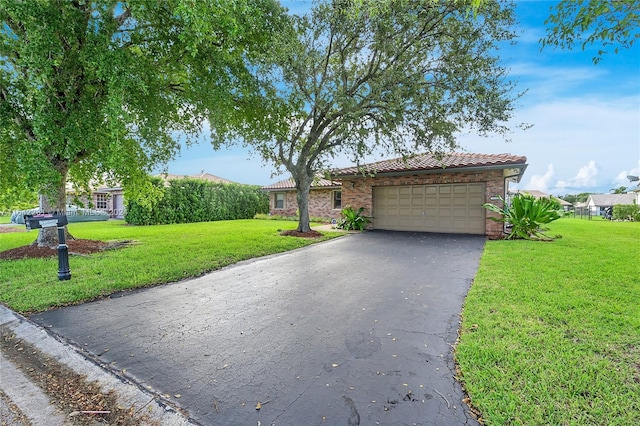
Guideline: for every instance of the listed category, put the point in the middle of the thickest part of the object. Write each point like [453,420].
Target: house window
[279,200]
[337,199]
[101,201]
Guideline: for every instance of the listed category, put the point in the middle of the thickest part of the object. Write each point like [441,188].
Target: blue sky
[586,118]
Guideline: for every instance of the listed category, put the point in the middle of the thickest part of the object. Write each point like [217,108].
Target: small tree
[619,190]
[393,76]
[575,198]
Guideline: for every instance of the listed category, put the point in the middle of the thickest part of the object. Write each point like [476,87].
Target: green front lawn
[5,219]
[161,254]
[551,331]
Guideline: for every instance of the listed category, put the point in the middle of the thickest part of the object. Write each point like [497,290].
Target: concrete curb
[23,393]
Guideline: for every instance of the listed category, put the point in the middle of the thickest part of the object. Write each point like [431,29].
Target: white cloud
[541,182]
[585,178]
[623,180]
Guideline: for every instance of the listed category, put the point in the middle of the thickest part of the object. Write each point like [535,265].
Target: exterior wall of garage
[358,191]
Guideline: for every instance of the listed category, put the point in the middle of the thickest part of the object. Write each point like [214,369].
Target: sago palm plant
[525,215]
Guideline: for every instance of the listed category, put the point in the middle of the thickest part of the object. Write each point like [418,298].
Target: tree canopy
[384,76]
[609,24]
[575,198]
[105,88]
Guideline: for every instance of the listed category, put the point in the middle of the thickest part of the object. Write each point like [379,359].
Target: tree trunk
[53,200]
[303,185]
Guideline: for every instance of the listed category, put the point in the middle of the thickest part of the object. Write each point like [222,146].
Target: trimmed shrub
[353,220]
[626,212]
[191,200]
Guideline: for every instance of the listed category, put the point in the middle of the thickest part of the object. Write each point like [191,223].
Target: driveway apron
[356,330]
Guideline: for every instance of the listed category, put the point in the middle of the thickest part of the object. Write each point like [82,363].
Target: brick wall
[358,192]
[320,204]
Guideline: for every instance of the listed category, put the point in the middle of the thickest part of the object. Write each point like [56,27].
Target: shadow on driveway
[356,330]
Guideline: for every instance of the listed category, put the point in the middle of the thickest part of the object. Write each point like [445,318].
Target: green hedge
[190,200]
[626,212]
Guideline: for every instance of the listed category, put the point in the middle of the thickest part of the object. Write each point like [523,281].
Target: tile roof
[318,183]
[421,162]
[606,200]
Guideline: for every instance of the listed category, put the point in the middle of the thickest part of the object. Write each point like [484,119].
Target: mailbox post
[50,220]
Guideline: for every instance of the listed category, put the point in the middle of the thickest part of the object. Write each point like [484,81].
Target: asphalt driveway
[356,330]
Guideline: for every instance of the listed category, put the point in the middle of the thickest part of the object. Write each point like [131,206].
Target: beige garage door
[455,208]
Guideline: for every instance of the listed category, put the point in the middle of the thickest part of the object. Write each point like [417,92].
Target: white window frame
[102,201]
[275,200]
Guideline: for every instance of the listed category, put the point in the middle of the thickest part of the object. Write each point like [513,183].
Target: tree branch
[120,19]
[20,121]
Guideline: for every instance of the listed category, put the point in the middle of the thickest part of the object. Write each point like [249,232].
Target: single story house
[111,199]
[598,203]
[103,198]
[566,206]
[418,193]
[325,198]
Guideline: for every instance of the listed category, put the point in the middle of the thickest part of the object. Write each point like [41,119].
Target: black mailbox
[44,220]
[53,220]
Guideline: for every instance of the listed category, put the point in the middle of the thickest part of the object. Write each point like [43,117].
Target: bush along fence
[629,212]
[190,200]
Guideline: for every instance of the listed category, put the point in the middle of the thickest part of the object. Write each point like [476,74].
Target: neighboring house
[325,198]
[111,199]
[636,192]
[597,203]
[566,206]
[103,198]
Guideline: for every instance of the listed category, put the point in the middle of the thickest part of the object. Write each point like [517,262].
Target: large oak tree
[611,25]
[394,76]
[97,89]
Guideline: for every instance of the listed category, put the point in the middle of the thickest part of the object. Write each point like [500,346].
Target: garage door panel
[476,224]
[444,189]
[417,202]
[417,190]
[459,225]
[460,189]
[460,213]
[430,208]
[476,189]
[460,202]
